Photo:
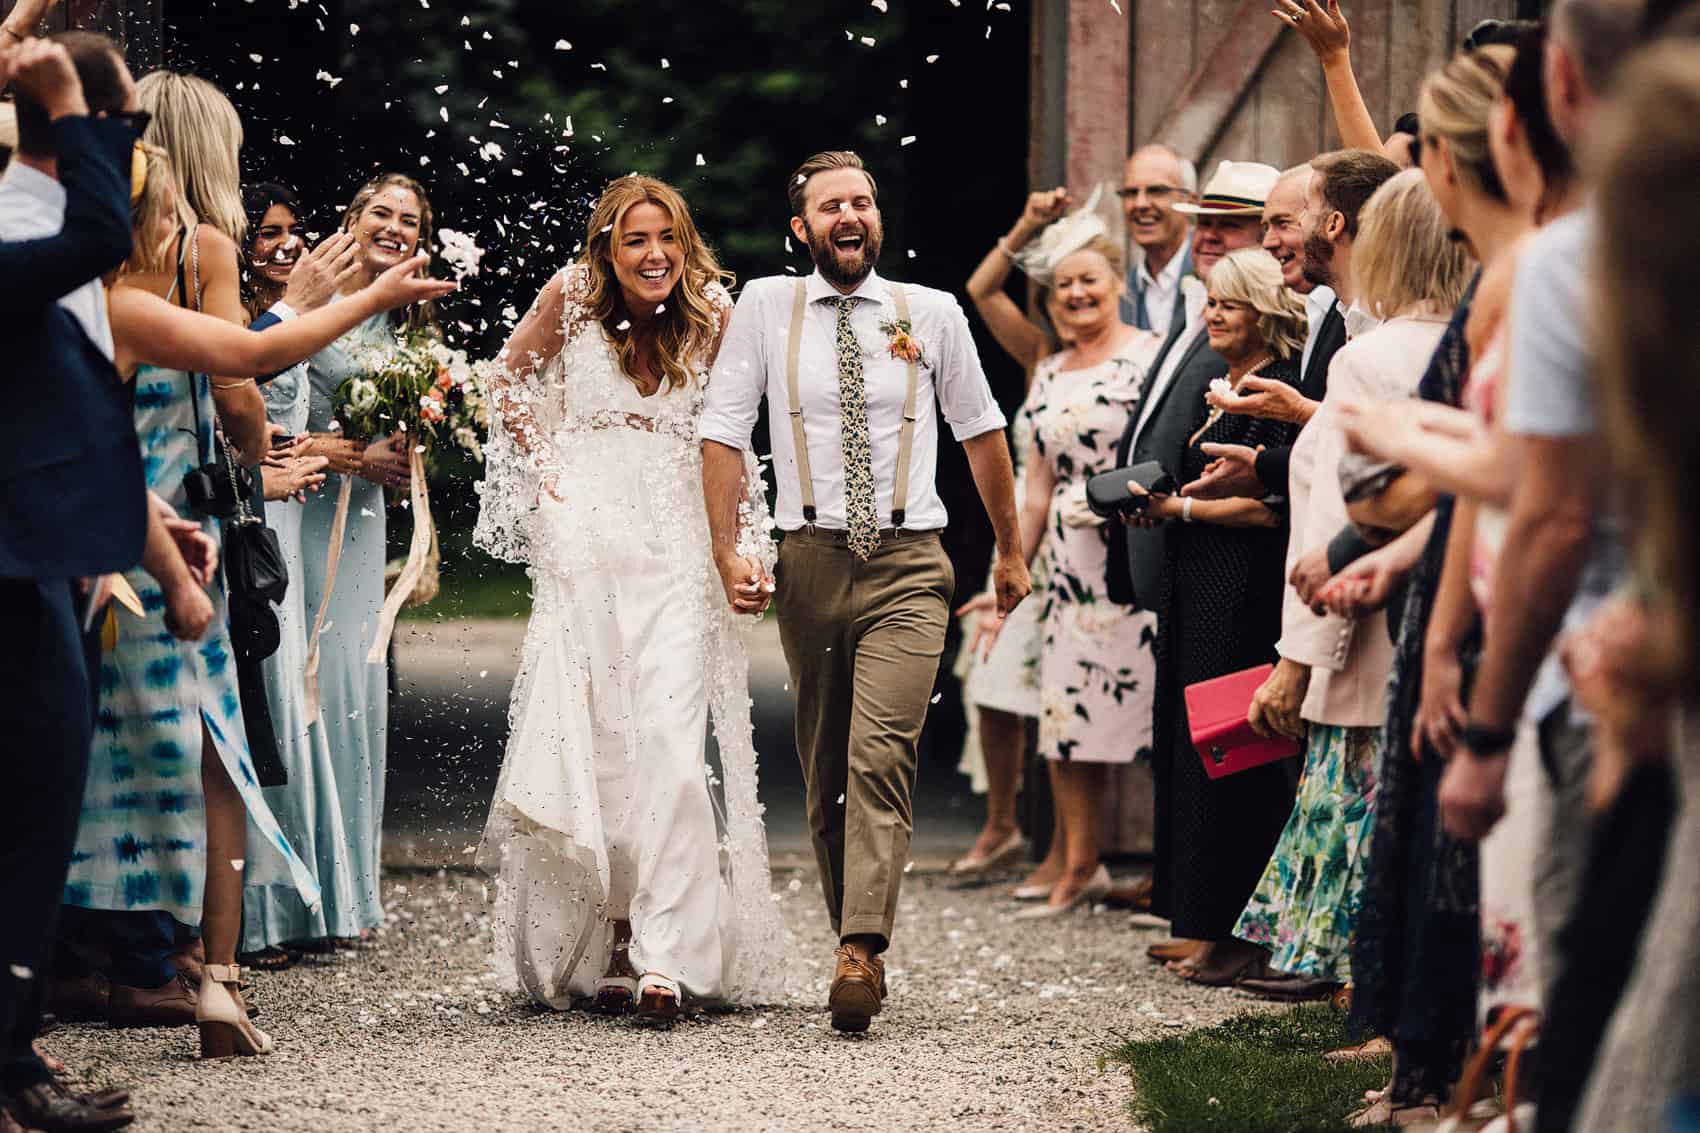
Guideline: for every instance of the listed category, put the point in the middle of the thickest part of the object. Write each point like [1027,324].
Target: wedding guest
[64,222]
[1220,612]
[1408,274]
[1637,668]
[1002,683]
[201,135]
[171,787]
[390,219]
[1416,954]
[1160,254]
[1095,660]
[1228,218]
[307,807]
[1324,28]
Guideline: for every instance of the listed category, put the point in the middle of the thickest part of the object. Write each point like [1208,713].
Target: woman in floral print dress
[1096,665]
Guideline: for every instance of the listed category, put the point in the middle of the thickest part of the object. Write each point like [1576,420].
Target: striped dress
[141,841]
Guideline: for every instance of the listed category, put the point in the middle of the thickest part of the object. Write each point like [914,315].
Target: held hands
[43,71]
[1265,398]
[386,463]
[748,586]
[1309,576]
[1232,471]
[1274,709]
[323,272]
[1324,28]
[1365,586]
[401,287]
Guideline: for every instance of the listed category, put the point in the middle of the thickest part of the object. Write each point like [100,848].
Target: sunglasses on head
[137,120]
[1489,32]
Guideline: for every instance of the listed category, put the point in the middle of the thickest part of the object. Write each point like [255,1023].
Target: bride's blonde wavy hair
[689,325]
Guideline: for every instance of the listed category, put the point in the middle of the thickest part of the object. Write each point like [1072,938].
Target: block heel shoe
[226,1031]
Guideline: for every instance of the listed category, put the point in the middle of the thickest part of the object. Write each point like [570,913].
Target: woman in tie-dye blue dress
[142,839]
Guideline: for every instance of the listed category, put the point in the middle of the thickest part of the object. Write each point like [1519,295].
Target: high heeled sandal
[658,999]
[614,995]
[225,1028]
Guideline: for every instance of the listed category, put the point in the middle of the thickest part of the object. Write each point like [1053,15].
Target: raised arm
[213,278]
[147,329]
[1329,36]
[1020,337]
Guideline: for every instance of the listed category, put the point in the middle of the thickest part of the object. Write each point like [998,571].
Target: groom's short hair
[821,163]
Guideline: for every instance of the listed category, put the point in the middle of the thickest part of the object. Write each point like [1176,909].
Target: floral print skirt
[1306,906]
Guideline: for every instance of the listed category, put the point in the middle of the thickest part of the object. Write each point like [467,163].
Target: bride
[629,873]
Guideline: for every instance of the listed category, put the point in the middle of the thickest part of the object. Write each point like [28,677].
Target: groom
[852,366]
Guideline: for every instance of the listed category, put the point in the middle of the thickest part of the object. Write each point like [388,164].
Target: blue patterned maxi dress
[141,841]
[308,806]
[353,695]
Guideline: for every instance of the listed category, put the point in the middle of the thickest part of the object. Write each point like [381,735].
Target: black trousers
[1598,944]
[46,721]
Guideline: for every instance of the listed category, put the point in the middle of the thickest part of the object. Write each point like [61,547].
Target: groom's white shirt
[752,364]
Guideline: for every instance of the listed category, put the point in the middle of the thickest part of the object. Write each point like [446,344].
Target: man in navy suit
[73,507]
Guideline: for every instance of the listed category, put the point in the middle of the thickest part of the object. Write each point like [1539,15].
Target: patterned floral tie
[864,532]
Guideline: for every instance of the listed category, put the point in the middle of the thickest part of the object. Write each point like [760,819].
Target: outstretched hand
[323,271]
[401,286]
[1323,27]
[1232,471]
[1266,398]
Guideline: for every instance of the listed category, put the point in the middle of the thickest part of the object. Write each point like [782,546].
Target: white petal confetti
[237,864]
[353,29]
[908,139]
[563,45]
[701,160]
[22,973]
[285,140]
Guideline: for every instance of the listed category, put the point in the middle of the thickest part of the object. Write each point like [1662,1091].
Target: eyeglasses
[1158,193]
[137,120]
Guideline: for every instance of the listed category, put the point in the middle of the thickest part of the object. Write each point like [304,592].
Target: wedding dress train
[607,808]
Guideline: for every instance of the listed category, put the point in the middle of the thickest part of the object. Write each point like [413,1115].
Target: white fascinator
[1101,215]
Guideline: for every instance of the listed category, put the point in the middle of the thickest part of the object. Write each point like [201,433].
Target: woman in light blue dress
[390,218]
[308,807]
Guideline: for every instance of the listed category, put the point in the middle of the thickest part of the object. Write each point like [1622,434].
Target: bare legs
[1003,741]
[227,836]
[1050,871]
[1078,789]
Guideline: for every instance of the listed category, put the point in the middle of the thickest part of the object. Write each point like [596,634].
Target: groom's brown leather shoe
[857,989]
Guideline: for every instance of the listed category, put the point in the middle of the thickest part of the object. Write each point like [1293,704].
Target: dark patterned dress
[1222,614]
[1417,954]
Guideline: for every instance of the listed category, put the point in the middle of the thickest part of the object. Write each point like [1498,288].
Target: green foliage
[1255,1073]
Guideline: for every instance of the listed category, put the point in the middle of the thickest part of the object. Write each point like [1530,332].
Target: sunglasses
[137,120]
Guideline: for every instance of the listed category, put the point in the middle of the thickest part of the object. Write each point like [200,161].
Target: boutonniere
[902,344]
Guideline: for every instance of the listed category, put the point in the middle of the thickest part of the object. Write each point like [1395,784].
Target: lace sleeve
[755,521]
[523,389]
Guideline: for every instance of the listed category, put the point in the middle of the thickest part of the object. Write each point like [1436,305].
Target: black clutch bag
[1107,494]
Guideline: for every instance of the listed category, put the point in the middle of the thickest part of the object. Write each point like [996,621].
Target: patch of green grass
[1255,1073]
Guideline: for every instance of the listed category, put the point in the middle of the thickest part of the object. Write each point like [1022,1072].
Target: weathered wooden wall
[1217,78]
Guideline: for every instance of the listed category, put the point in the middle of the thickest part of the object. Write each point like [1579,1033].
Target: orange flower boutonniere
[902,344]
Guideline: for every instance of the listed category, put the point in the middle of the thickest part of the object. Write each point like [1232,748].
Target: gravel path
[992,1024]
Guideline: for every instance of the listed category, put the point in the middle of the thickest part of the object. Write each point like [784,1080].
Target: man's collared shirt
[1193,294]
[1317,305]
[752,363]
[32,205]
[1160,291]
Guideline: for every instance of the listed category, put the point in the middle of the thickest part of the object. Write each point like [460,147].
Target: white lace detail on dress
[628,470]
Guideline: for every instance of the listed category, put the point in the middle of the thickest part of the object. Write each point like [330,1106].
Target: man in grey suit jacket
[1229,218]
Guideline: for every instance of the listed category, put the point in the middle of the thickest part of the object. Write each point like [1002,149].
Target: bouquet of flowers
[418,386]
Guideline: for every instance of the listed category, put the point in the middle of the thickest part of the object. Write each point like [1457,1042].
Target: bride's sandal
[614,995]
[658,999]
[224,1024]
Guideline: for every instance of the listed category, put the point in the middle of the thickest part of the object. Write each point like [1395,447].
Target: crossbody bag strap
[905,437]
[179,295]
[799,440]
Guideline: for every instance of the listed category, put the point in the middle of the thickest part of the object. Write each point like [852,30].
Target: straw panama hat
[1237,189]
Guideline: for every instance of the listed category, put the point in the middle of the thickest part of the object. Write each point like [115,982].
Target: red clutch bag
[1215,712]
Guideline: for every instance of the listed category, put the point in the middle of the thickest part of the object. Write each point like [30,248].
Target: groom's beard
[841,268]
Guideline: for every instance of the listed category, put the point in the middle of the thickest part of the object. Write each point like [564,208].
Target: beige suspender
[906,435]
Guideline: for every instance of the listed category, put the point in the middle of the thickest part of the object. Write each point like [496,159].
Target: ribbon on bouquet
[418,548]
[418,552]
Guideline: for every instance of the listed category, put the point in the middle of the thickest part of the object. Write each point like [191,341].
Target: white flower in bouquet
[362,396]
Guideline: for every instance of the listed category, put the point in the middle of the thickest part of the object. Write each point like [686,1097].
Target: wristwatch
[1483,741]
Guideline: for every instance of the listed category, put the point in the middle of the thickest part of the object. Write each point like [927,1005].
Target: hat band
[1236,202]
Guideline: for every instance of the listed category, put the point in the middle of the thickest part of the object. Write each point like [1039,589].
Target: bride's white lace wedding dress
[607,808]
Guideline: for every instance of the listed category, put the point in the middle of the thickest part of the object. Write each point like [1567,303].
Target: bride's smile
[647,258]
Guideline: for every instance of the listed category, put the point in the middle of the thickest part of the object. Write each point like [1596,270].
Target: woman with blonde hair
[613,883]
[391,222]
[1222,615]
[1409,274]
[172,790]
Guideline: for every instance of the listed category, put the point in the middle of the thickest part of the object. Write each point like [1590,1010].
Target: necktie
[863,528]
[1141,313]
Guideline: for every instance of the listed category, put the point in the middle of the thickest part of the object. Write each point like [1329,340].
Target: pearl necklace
[1215,413]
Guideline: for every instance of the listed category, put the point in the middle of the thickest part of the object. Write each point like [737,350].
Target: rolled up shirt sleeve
[959,381]
[733,398]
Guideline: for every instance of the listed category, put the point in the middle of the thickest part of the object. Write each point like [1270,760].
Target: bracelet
[1483,742]
[232,385]
[1186,509]
[1004,248]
